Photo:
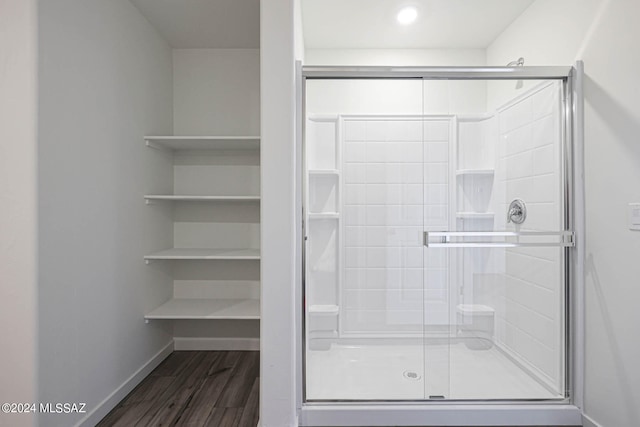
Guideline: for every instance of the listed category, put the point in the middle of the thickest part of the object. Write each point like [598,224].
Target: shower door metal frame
[425,412]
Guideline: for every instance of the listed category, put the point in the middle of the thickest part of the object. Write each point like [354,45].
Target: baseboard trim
[216,344]
[110,402]
[587,421]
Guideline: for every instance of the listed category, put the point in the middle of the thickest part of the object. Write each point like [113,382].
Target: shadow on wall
[621,121]
[626,392]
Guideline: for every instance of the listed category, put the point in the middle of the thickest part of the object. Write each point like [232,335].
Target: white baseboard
[216,344]
[110,402]
[587,421]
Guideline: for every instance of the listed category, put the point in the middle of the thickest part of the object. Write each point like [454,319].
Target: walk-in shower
[438,235]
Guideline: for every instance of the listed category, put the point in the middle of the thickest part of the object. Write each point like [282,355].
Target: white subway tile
[538,299]
[437,152]
[376,152]
[436,173]
[519,165]
[355,194]
[376,173]
[543,217]
[410,173]
[382,236]
[436,130]
[520,189]
[516,115]
[383,194]
[383,278]
[354,215]
[355,130]
[355,152]
[545,102]
[384,257]
[436,279]
[356,278]
[436,215]
[412,278]
[435,258]
[405,130]
[410,152]
[355,257]
[412,194]
[519,140]
[412,257]
[436,194]
[377,130]
[542,272]
[546,188]
[355,236]
[544,160]
[545,131]
[355,173]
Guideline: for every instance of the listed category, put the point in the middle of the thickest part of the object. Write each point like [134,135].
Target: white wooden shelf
[324,215]
[203,142]
[475,215]
[195,308]
[476,172]
[324,172]
[202,198]
[204,254]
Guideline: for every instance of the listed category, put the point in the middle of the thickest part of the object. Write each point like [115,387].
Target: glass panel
[506,305]
[365,210]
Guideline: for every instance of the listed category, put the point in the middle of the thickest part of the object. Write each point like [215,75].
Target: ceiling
[359,24]
[441,24]
[221,24]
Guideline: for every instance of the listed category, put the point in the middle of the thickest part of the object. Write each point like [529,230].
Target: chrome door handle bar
[512,239]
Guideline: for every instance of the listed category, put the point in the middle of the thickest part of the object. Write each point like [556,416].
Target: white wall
[607,37]
[278,154]
[18,198]
[216,91]
[105,81]
[395,57]
[549,32]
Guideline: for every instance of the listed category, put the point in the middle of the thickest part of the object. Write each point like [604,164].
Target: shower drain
[411,375]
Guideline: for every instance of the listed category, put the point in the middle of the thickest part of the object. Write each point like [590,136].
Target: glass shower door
[505,247]
[435,240]
[364,214]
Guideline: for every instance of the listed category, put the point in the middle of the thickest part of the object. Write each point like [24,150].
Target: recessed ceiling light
[407,15]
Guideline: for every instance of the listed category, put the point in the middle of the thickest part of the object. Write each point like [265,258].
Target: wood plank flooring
[196,389]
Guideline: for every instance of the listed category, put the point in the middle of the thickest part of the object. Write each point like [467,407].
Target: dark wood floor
[194,388]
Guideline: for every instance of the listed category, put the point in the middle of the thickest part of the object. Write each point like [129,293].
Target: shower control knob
[517,212]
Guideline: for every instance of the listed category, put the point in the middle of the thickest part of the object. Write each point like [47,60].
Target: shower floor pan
[397,372]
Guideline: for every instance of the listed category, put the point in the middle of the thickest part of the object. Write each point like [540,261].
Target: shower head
[518,63]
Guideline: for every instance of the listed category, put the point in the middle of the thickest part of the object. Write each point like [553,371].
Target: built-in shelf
[202,198]
[207,309]
[475,215]
[323,309]
[210,254]
[324,215]
[472,172]
[324,172]
[203,142]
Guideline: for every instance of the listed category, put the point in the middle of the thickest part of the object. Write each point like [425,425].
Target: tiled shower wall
[396,175]
[529,309]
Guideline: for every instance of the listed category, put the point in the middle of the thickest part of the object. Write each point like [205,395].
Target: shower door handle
[498,239]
